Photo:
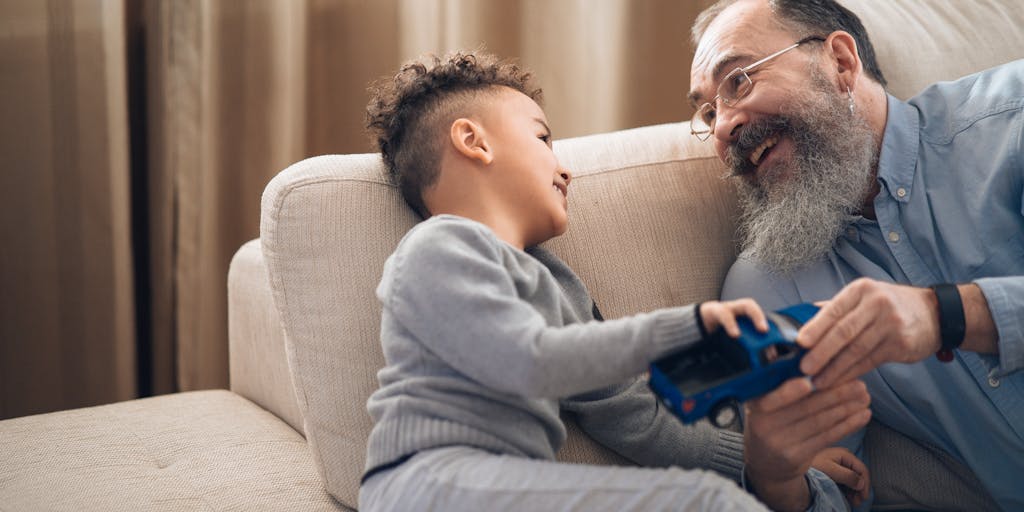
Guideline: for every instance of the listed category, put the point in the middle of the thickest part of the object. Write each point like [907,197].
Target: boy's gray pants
[466,479]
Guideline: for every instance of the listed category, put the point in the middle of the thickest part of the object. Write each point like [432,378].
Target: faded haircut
[409,114]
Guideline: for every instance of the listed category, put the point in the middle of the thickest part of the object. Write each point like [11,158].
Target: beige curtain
[67,321]
[223,95]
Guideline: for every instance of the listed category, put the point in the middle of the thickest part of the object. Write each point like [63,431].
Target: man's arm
[871,322]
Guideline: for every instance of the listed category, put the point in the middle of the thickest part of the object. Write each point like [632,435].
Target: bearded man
[907,215]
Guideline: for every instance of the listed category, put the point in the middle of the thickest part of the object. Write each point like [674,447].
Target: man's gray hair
[804,18]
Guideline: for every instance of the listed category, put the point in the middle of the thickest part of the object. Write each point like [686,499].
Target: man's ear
[845,58]
[470,140]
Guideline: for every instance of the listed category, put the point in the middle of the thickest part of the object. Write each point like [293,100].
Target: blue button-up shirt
[951,172]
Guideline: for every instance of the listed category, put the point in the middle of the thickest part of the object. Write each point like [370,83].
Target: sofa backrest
[651,226]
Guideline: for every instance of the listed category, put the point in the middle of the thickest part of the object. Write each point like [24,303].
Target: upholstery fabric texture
[202,450]
[257,362]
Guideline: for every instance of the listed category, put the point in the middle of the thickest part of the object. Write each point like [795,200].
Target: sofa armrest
[257,356]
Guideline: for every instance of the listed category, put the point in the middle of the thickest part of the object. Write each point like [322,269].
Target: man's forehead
[742,32]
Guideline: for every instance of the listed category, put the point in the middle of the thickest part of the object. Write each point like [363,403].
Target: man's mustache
[752,135]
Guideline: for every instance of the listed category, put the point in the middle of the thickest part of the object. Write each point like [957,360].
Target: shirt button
[894,236]
[901,192]
[992,379]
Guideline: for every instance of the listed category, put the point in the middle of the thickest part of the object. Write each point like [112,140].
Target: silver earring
[850,95]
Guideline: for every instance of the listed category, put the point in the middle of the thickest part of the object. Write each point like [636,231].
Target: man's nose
[728,122]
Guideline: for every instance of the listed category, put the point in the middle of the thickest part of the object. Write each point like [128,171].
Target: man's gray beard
[789,223]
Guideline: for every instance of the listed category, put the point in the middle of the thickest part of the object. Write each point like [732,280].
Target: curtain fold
[67,327]
[226,114]
[108,257]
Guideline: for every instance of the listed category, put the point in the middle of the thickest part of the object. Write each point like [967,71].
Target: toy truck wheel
[725,414]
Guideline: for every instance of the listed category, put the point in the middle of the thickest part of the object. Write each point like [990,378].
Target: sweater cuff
[675,329]
[727,458]
[700,321]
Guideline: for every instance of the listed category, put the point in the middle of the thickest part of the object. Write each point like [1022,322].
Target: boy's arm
[630,420]
[451,288]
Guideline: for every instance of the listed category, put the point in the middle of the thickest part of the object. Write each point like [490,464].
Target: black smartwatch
[952,324]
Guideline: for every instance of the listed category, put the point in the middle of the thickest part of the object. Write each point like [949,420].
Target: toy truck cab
[714,376]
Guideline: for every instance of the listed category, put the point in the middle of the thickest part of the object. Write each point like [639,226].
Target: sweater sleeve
[630,420]
[451,289]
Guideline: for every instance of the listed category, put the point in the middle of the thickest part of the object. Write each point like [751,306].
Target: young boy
[487,337]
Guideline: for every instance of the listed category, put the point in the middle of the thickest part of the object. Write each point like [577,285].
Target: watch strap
[952,324]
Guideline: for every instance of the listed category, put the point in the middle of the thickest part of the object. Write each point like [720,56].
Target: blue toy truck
[714,376]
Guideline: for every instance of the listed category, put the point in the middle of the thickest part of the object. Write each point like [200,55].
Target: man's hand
[866,324]
[847,471]
[788,427]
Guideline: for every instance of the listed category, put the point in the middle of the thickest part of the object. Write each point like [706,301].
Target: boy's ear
[470,141]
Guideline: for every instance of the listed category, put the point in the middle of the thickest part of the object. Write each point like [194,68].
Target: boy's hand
[847,471]
[716,314]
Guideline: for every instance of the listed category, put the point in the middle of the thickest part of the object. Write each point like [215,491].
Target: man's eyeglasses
[734,87]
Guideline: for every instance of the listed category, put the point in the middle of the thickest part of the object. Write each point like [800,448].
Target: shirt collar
[898,157]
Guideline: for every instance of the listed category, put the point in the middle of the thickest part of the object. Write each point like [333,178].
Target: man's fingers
[837,308]
[860,354]
[828,378]
[846,420]
[794,408]
[829,427]
[788,393]
[832,408]
[843,335]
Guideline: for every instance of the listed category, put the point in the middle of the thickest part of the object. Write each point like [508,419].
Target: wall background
[136,137]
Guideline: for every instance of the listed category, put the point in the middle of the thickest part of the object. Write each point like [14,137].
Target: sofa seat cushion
[203,450]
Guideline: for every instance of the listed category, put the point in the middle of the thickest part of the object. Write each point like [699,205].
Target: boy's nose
[566,175]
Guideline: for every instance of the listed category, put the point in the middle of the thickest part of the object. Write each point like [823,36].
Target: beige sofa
[651,226]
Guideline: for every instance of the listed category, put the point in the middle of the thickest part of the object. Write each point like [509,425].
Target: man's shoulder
[747,278]
[948,108]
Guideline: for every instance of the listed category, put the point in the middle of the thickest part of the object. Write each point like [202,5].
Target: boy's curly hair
[409,115]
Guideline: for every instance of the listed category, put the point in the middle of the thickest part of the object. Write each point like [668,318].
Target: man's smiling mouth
[759,151]
[755,144]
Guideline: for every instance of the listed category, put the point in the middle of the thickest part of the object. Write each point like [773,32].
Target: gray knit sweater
[484,342]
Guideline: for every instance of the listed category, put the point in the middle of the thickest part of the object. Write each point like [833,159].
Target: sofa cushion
[256,351]
[204,450]
[920,42]
[651,225]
